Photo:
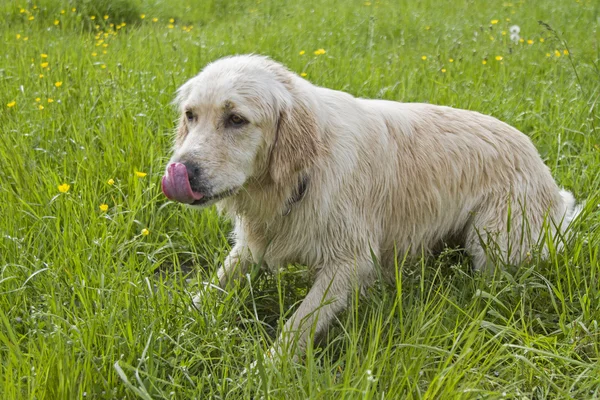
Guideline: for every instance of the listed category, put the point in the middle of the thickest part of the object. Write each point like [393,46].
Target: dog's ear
[297,142]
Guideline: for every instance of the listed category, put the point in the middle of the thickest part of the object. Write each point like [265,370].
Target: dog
[318,177]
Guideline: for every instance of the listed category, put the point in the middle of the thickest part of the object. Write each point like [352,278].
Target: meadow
[97,267]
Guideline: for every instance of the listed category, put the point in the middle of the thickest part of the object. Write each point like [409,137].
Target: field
[97,268]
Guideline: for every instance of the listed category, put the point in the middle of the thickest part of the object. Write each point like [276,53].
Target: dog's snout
[194,175]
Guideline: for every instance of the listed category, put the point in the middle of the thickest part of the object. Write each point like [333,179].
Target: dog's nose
[194,175]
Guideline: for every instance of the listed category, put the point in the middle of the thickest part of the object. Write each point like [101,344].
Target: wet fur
[384,178]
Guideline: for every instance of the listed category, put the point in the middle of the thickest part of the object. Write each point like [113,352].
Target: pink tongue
[176,185]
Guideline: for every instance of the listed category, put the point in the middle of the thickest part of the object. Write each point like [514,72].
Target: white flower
[514,29]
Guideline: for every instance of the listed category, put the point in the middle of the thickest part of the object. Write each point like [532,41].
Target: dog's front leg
[328,296]
[235,265]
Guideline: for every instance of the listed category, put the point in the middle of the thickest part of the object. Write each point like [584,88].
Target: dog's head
[242,118]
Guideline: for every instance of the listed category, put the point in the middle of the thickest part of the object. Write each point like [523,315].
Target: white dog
[318,177]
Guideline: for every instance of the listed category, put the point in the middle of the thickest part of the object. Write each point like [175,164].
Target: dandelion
[93,17]
[94,54]
[170,26]
[140,174]
[104,52]
[427,28]
[58,84]
[105,45]
[22,10]
[557,53]
[154,19]
[62,11]
[541,40]
[103,66]
[451,59]
[303,74]
[319,52]
[103,207]
[514,33]
[566,52]
[105,17]
[443,70]
[18,36]
[367,3]
[145,232]
[56,22]
[302,52]
[44,65]
[548,54]
[484,62]
[503,33]
[494,21]
[64,188]
[111,181]
[11,104]
[529,41]
[41,76]
[499,58]
[73,9]
[37,99]
[50,100]
[142,16]
[26,38]
[40,107]
[423,58]
[44,55]
[171,20]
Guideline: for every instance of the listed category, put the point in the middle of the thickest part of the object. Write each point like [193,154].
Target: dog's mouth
[176,186]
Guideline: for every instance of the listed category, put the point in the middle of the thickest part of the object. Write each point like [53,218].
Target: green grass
[90,307]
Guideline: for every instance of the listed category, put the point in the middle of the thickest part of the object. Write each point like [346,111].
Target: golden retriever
[316,176]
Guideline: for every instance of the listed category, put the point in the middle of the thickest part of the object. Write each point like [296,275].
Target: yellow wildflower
[566,52]
[367,3]
[111,181]
[499,58]
[319,52]
[503,33]
[56,22]
[494,21]
[303,74]
[423,58]
[104,52]
[18,36]
[41,76]
[26,38]
[302,52]
[170,26]
[154,19]
[73,9]
[557,53]
[22,10]
[451,59]
[529,41]
[50,100]
[541,40]
[548,54]
[484,62]
[44,65]
[521,40]
[64,188]
[444,70]
[145,232]
[93,17]
[11,104]
[105,17]
[103,66]
[31,18]
[171,20]
[94,54]
[62,11]
[37,99]
[44,55]
[143,16]
[140,174]
[40,107]
[103,207]
[58,84]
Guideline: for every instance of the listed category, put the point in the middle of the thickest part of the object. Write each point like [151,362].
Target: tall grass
[96,304]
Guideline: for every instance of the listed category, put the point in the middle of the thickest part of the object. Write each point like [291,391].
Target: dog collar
[298,194]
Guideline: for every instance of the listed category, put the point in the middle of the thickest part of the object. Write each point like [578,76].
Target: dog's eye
[189,116]
[236,120]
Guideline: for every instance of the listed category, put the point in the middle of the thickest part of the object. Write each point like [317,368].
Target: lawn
[97,268]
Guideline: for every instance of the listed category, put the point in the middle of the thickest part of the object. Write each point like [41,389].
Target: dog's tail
[571,209]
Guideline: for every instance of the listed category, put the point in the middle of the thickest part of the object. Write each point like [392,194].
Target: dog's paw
[198,299]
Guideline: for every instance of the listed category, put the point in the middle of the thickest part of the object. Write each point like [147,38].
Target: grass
[92,307]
